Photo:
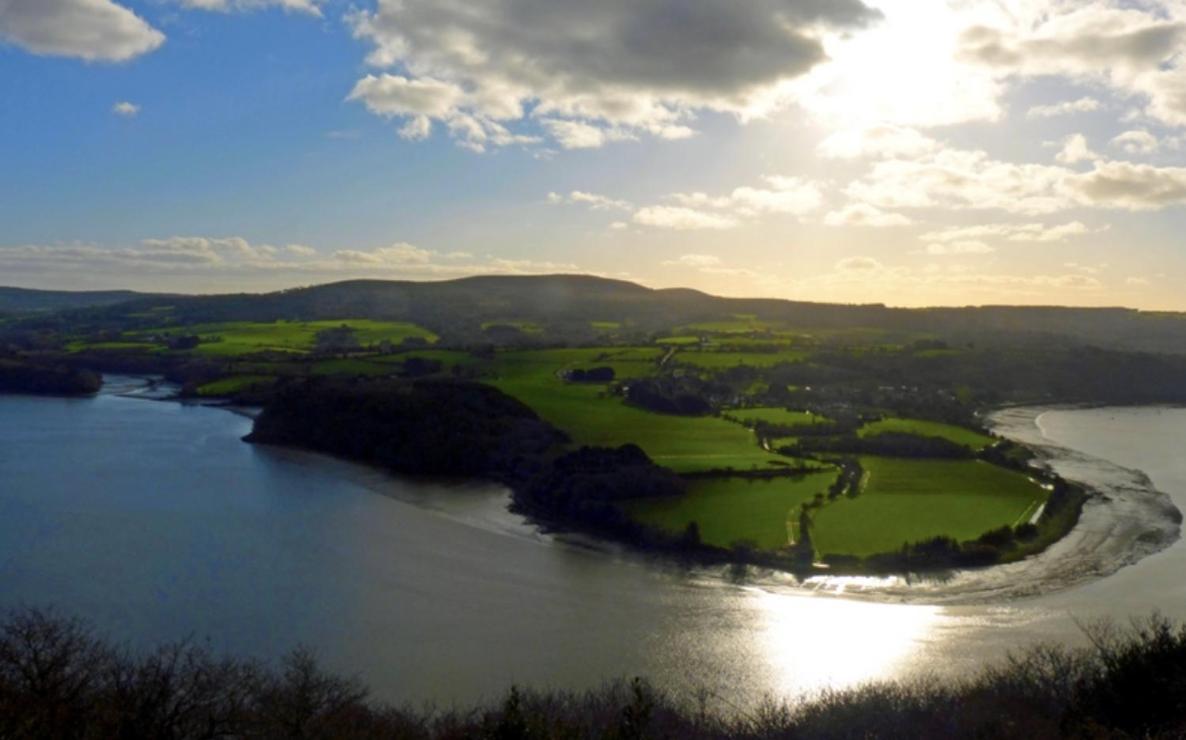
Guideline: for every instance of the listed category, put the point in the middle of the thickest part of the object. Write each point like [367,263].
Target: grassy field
[592,417]
[683,341]
[81,345]
[959,435]
[232,385]
[783,417]
[527,327]
[729,510]
[709,360]
[242,337]
[905,501]
[738,324]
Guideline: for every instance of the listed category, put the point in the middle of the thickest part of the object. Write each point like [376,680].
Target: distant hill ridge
[579,299]
[23,300]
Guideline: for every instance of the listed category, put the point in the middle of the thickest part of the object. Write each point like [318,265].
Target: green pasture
[905,501]
[121,346]
[681,341]
[527,327]
[232,385]
[729,510]
[593,417]
[713,360]
[739,324]
[918,427]
[244,337]
[782,417]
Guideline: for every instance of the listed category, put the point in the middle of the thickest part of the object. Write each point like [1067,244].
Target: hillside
[25,300]
[459,310]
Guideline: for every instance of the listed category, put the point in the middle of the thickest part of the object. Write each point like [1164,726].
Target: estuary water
[154,521]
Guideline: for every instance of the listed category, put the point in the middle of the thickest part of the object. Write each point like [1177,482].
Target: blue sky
[891,151]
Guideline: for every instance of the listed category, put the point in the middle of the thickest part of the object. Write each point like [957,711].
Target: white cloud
[299,6]
[419,101]
[859,264]
[1135,187]
[594,72]
[694,260]
[881,141]
[1075,149]
[957,179]
[580,135]
[234,256]
[789,195]
[962,179]
[125,109]
[396,254]
[1023,232]
[1132,49]
[1067,107]
[682,219]
[958,247]
[780,195]
[593,201]
[1137,142]
[94,30]
[863,214]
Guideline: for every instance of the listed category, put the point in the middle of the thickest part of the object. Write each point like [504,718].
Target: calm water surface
[155,522]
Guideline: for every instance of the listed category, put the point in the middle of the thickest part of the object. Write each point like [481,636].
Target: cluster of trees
[586,485]
[57,680]
[20,376]
[591,375]
[685,395]
[420,427]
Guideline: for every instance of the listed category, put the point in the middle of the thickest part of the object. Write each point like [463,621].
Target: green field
[783,417]
[906,501]
[678,341]
[709,360]
[232,385]
[81,345]
[527,327]
[243,337]
[593,417]
[959,435]
[739,324]
[730,510]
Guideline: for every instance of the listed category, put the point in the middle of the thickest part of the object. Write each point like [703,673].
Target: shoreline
[1124,520]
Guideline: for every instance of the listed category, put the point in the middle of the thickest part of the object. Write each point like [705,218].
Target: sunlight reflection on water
[814,643]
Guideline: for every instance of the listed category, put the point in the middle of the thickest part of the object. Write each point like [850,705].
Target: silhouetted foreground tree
[57,680]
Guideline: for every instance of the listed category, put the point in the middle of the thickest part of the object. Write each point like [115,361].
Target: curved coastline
[1124,520]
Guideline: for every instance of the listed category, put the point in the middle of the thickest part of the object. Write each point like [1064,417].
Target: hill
[462,310]
[25,300]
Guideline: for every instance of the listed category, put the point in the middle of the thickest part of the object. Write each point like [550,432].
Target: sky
[905,152]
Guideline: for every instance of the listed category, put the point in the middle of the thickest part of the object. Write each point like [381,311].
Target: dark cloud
[638,63]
